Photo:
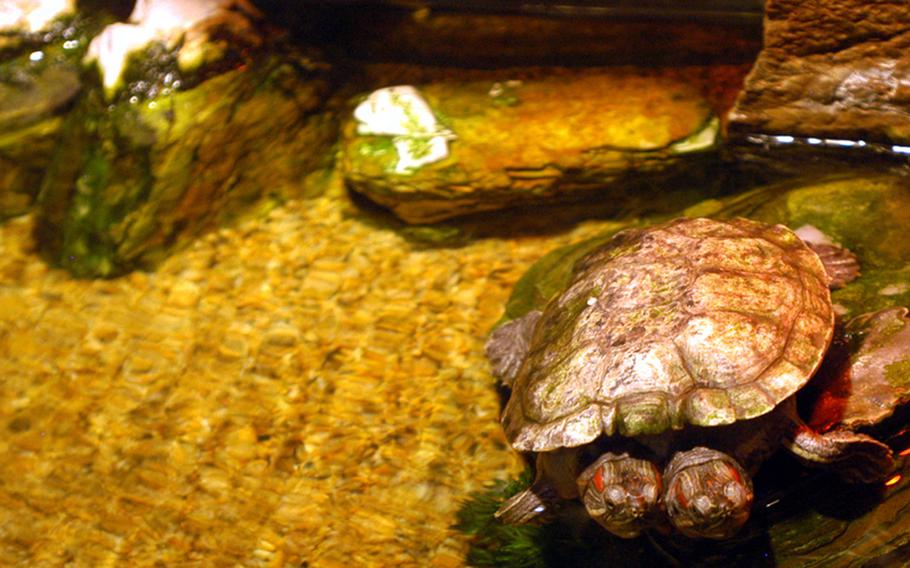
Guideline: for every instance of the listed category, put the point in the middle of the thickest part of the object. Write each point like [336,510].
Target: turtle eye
[734,491]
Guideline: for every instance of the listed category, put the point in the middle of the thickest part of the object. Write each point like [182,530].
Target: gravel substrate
[308,389]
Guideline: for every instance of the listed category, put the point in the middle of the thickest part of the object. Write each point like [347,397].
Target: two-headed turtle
[665,373]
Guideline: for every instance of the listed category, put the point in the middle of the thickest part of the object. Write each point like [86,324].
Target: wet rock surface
[136,178]
[555,139]
[39,83]
[833,70]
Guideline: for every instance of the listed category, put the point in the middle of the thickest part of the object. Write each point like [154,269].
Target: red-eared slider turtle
[664,374]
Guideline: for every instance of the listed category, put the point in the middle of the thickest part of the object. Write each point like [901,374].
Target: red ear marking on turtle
[681,497]
[893,480]
[599,480]
[735,474]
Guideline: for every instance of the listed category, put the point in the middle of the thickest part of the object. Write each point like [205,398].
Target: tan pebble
[105,331]
[232,348]
[282,335]
[184,294]
[139,364]
[447,559]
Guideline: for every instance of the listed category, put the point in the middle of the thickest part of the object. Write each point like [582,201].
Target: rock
[504,34]
[518,142]
[175,153]
[39,80]
[843,208]
[836,70]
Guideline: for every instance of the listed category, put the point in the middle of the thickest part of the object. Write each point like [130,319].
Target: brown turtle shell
[695,321]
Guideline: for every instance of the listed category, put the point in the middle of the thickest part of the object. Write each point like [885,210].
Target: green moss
[376,147]
[134,180]
[898,373]
[493,543]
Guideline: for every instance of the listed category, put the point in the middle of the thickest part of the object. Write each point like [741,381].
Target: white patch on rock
[840,309]
[31,15]
[162,20]
[894,289]
[401,112]
[701,140]
[811,234]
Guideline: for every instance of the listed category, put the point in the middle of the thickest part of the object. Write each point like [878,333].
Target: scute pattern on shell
[695,321]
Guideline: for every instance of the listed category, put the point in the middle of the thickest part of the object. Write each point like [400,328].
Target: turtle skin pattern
[695,321]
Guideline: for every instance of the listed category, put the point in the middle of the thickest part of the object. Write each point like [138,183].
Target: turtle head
[621,493]
[707,494]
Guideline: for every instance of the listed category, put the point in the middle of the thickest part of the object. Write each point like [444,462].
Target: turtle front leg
[508,345]
[841,265]
[555,482]
[854,457]
[621,493]
[707,493]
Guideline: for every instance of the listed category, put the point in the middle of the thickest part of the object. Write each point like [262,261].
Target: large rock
[607,32]
[190,134]
[518,142]
[837,69]
[39,80]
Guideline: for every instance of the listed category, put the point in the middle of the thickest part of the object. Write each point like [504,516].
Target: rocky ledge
[835,69]
[459,148]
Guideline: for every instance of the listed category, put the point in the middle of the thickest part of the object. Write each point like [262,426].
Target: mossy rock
[559,139]
[868,215]
[39,81]
[136,178]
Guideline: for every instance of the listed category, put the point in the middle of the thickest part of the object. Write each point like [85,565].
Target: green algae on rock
[556,139]
[39,80]
[135,178]
[843,207]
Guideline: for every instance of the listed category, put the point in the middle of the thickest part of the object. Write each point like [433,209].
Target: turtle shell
[695,321]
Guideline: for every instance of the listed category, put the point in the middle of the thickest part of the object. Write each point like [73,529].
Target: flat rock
[837,69]
[559,138]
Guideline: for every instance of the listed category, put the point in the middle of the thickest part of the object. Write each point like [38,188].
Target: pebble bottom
[305,389]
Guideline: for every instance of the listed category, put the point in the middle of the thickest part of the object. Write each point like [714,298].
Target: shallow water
[310,389]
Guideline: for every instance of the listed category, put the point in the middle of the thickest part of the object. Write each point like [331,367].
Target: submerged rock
[172,151]
[39,80]
[834,70]
[843,208]
[519,142]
